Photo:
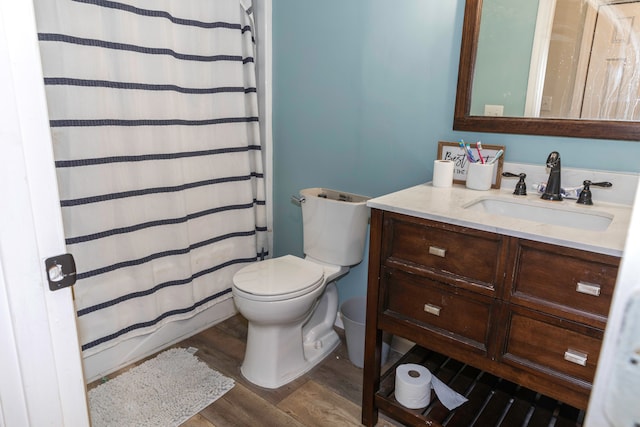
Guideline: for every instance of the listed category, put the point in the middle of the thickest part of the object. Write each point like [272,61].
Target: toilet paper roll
[413,386]
[442,173]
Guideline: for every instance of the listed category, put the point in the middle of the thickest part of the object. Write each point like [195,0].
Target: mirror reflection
[571,59]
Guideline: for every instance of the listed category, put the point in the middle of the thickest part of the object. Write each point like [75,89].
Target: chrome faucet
[552,190]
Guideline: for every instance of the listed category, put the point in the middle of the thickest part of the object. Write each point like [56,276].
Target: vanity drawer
[553,346]
[563,280]
[432,306]
[444,249]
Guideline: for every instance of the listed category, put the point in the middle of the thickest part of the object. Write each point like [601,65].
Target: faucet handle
[598,184]
[521,186]
[585,197]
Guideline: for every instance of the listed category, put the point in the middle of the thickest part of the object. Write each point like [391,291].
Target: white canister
[480,176]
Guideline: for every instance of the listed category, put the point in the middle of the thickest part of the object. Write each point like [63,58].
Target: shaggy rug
[164,391]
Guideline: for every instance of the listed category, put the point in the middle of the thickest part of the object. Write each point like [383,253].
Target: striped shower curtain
[154,118]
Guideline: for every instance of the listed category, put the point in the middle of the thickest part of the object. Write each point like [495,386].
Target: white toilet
[291,303]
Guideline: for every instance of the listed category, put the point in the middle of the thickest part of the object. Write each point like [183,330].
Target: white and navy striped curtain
[154,118]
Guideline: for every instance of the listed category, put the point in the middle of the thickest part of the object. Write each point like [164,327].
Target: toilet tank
[334,225]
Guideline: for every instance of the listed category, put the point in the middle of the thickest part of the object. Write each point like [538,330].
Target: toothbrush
[466,151]
[461,144]
[478,148]
[498,155]
[470,154]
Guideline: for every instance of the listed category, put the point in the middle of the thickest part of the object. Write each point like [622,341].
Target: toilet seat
[278,279]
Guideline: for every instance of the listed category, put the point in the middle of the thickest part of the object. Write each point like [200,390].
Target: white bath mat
[164,391]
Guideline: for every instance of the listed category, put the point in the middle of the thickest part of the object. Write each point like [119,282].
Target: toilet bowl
[291,303]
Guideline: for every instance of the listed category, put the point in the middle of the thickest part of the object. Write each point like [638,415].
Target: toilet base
[258,375]
[278,354]
[316,351]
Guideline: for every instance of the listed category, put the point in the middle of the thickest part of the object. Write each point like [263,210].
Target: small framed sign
[453,151]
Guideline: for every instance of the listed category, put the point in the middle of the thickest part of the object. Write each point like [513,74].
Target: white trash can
[354,314]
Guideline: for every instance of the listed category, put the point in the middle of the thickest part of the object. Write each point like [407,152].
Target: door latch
[61,271]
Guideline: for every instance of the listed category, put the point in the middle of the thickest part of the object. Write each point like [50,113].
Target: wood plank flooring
[329,395]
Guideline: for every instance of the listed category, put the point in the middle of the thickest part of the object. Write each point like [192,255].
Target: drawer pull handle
[588,288]
[577,357]
[432,309]
[434,250]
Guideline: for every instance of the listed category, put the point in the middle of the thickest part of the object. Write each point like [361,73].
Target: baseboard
[339,323]
[401,345]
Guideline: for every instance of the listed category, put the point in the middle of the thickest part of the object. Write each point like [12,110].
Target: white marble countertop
[448,205]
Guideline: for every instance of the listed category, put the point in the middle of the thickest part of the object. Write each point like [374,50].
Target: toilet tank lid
[278,276]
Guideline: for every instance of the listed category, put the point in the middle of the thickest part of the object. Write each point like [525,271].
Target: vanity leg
[373,335]
[371,380]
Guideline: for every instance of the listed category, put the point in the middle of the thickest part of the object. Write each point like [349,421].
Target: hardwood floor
[329,395]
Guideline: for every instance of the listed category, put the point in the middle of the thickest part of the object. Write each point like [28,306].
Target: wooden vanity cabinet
[529,312]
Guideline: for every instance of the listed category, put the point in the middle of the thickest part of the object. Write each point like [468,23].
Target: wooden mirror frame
[577,128]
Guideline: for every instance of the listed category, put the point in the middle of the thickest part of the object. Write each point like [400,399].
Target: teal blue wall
[505,43]
[364,90]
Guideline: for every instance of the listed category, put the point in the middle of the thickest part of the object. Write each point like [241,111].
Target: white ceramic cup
[480,176]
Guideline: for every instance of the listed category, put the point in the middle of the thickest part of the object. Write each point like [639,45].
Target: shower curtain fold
[154,117]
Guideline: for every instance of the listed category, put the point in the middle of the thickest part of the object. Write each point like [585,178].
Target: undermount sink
[545,212]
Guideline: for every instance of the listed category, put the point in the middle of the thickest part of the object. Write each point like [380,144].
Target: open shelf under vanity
[493,401]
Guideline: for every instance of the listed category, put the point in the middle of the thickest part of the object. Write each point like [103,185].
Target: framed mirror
[506,74]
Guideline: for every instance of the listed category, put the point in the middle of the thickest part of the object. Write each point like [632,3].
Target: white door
[613,76]
[41,382]
[616,387]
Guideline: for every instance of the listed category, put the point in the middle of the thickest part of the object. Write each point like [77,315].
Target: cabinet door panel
[562,280]
[471,254]
[551,346]
[427,304]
